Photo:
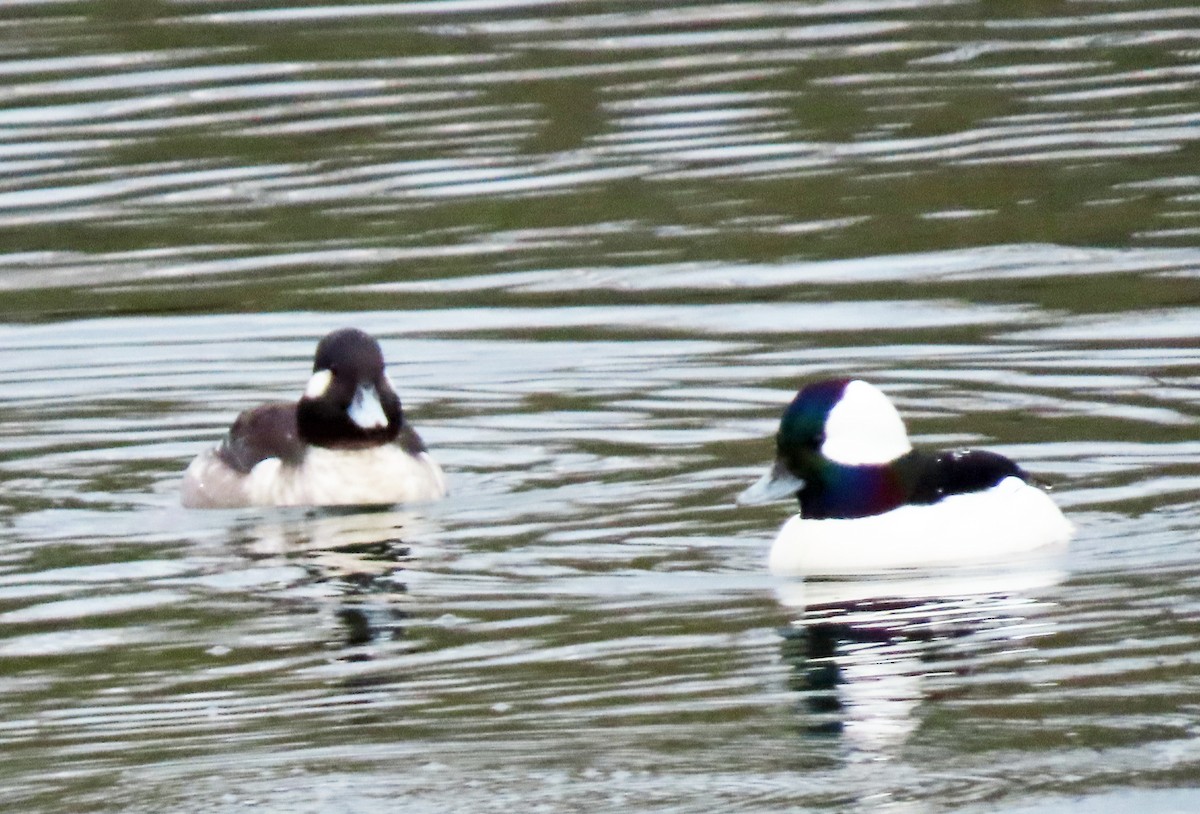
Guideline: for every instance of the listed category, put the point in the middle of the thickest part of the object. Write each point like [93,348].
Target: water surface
[602,244]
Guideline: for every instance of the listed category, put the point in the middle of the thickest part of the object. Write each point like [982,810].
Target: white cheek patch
[318,384]
[365,410]
[864,428]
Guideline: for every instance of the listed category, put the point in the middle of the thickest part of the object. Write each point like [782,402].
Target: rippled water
[602,244]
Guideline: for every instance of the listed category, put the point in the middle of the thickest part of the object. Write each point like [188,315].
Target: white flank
[318,384]
[365,410]
[1010,519]
[209,483]
[864,428]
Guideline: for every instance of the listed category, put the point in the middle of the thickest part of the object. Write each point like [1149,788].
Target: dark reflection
[862,653]
[368,610]
[352,557]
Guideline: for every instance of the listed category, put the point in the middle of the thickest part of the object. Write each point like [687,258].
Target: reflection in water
[862,652]
[357,557]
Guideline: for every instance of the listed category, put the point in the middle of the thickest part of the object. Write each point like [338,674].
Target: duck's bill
[365,410]
[778,484]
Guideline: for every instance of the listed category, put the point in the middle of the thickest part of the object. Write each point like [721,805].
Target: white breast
[329,477]
[1011,518]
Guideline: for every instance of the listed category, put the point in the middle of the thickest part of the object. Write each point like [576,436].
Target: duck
[344,442]
[870,503]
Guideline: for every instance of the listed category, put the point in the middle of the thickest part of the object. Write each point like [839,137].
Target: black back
[934,475]
[264,432]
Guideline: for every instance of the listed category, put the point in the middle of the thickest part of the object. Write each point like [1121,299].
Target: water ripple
[601,245]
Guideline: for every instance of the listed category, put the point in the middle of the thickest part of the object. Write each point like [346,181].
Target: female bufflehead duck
[344,443]
[869,502]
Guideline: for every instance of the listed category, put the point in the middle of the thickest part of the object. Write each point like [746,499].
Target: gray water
[602,244]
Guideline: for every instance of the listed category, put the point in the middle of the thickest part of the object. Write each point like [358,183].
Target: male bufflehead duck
[344,443]
[869,502]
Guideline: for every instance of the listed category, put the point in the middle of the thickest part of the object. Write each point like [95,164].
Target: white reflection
[863,652]
[353,564]
[340,542]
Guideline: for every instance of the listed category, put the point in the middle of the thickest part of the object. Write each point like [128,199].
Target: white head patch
[864,428]
[318,384]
